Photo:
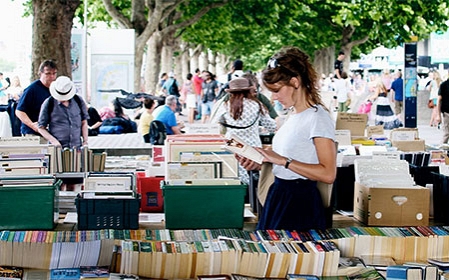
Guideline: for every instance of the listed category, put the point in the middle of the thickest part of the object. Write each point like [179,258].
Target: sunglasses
[273,63]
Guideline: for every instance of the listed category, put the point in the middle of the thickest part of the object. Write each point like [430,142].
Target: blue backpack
[173,89]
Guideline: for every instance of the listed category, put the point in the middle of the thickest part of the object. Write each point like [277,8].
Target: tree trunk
[195,61]
[205,60]
[348,43]
[139,51]
[52,29]
[152,72]
[167,64]
[223,63]
[213,63]
[185,62]
[178,68]
[324,60]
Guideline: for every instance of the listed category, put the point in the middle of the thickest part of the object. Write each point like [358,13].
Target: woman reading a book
[303,150]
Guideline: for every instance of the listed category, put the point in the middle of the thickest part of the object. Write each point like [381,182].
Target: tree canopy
[254,29]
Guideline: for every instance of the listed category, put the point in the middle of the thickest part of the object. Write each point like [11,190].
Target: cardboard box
[391,206]
[410,146]
[407,140]
[404,134]
[356,123]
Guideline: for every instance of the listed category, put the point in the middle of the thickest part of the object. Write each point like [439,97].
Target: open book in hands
[238,146]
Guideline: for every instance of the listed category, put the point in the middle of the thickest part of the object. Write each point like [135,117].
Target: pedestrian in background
[33,96]
[433,88]
[443,109]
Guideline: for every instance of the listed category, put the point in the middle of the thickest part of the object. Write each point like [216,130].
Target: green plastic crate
[196,207]
[29,208]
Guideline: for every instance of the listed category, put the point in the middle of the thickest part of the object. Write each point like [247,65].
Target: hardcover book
[403,272]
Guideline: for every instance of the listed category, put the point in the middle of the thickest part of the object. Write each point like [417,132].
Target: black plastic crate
[109,213]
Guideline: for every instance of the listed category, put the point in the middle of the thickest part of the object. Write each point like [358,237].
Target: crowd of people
[303,151]
[199,95]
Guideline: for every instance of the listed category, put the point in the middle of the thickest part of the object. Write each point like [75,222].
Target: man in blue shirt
[33,96]
[166,114]
[397,94]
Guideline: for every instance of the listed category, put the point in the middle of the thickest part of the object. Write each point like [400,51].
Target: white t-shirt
[295,138]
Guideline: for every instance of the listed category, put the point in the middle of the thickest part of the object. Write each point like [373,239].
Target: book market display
[193,181]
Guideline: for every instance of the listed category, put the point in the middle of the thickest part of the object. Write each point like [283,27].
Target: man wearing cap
[64,122]
[33,97]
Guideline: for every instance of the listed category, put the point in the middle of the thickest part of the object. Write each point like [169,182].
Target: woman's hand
[247,163]
[271,156]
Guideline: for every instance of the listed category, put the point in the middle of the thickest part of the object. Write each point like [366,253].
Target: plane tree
[250,29]
[319,27]
[148,17]
[52,25]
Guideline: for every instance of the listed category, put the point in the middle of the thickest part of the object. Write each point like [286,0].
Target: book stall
[392,184]
[201,187]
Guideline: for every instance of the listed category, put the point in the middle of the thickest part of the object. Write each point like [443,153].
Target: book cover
[121,276]
[403,272]
[349,265]
[94,271]
[229,162]
[238,146]
[65,273]
[11,272]
[378,262]
[441,262]
[430,272]
[193,170]
[367,273]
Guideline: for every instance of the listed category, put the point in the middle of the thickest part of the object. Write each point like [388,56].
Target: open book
[238,146]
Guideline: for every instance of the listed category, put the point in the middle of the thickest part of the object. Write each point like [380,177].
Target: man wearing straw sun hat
[63,116]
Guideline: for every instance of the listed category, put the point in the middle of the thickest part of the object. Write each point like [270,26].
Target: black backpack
[51,103]
[158,132]
[174,90]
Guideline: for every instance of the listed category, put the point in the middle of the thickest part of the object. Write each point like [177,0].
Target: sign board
[356,123]
[410,84]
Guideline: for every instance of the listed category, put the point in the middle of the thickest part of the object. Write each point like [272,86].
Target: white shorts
[191,101]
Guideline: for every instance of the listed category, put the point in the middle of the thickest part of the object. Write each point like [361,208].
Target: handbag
[430,104]
[266,179]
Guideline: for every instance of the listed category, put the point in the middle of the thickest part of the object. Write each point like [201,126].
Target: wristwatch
[287,163]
